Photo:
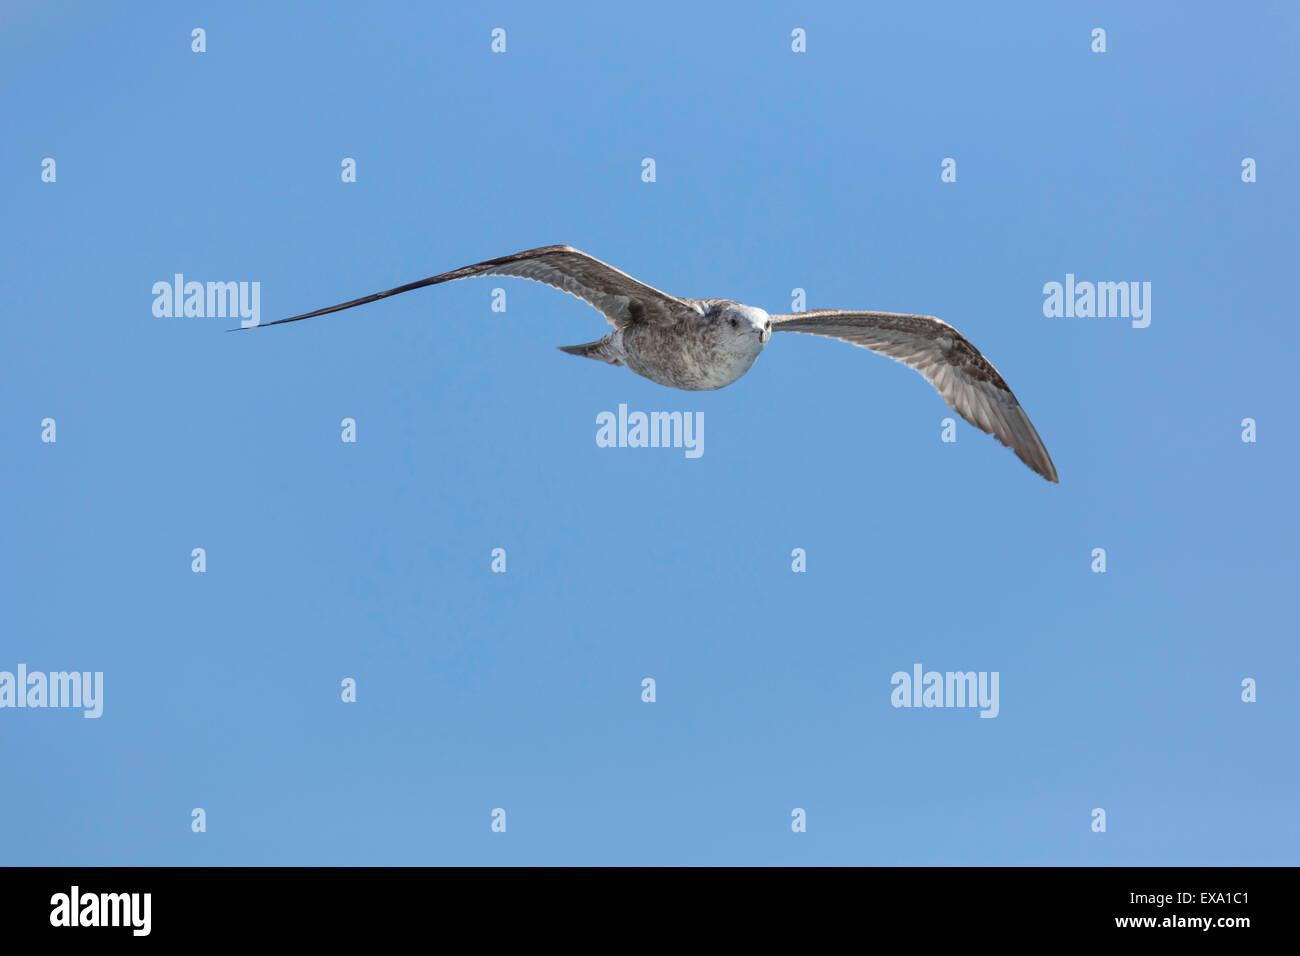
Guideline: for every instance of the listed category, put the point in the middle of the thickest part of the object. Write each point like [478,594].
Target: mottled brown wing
[623,300]
[967,380]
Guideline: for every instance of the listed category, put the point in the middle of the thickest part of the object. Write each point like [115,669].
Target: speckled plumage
[700,344]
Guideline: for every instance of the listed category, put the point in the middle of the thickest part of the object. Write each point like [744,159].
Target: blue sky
[775,170]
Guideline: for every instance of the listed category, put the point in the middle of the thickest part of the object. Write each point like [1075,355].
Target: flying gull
[699,344]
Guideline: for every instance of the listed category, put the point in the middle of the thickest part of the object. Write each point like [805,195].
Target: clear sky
[774,171]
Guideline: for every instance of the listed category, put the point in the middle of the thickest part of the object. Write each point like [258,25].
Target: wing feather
[966,380]
[621,299]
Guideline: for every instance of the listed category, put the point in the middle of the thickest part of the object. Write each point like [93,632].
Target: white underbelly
[684,365]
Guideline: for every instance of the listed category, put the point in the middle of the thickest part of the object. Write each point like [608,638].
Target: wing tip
[1041,466]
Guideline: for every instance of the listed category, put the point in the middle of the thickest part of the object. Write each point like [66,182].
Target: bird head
[744,327]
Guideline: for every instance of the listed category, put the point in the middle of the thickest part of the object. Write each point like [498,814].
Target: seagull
[702,344]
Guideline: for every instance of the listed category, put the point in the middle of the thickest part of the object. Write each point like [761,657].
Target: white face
[749,328]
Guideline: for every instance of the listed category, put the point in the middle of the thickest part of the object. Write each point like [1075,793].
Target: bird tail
[599,350]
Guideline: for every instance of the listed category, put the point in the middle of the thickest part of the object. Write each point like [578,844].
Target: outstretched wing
[623,300]
[967,380]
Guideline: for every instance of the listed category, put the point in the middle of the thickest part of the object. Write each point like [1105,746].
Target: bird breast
[688,355]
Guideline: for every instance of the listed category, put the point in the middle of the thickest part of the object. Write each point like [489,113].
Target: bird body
[707,345]
[702,344]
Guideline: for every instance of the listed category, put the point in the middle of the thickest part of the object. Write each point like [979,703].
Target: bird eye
[733,323]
